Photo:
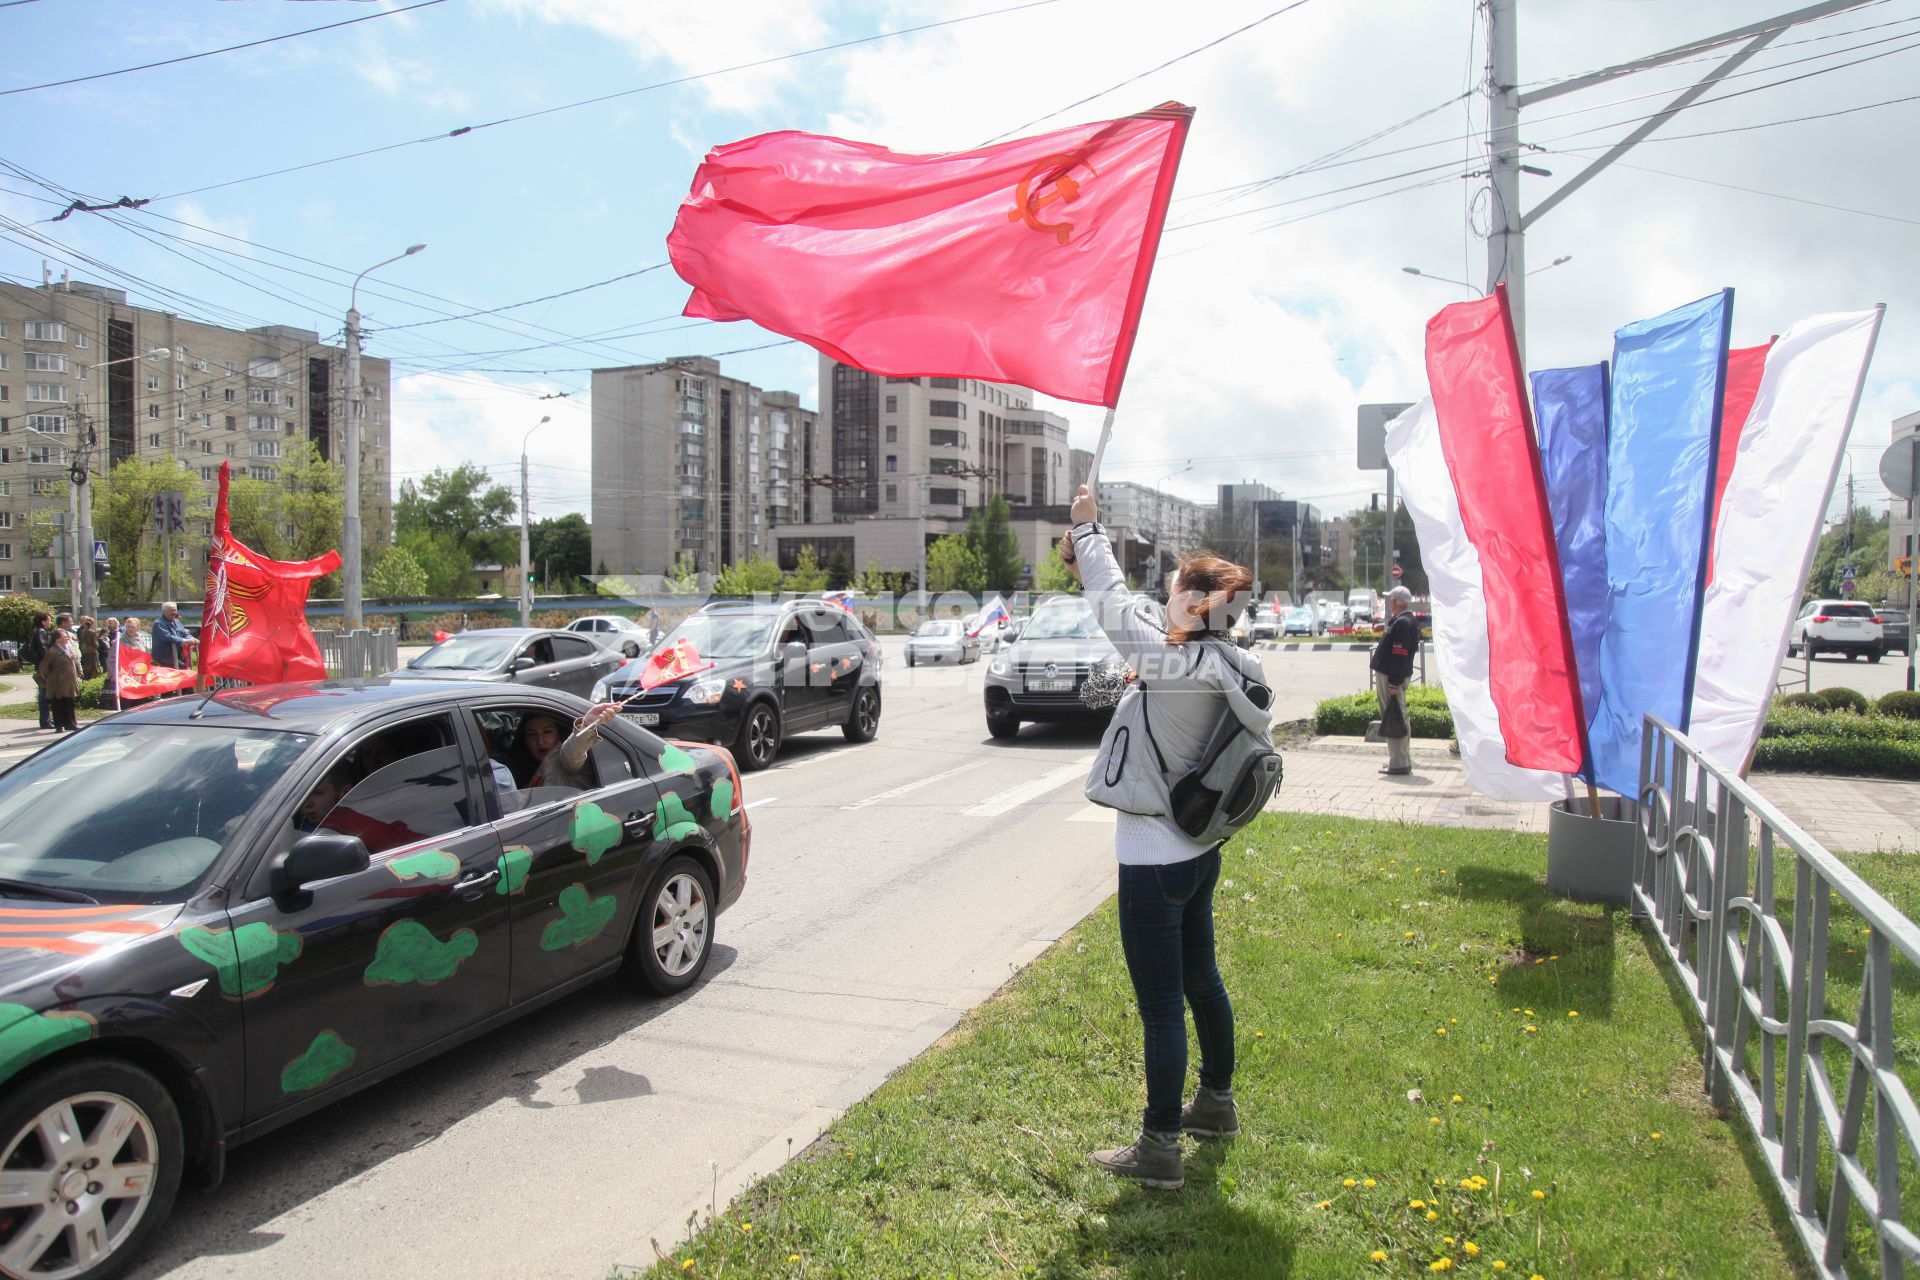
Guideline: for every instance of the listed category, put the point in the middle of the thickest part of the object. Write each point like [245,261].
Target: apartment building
[1903,530]
[74,358]
[688,460]
[1150,525]
[911,457]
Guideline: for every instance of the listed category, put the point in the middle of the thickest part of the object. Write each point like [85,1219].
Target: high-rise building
[911,457]
[72,361]
[689,461]
[1151,524]
[1902,526]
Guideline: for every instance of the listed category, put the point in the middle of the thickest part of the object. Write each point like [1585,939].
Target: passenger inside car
[540,650]
[325,795]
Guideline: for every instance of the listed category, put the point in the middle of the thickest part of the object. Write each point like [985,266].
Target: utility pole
[1506,249]
[352,550]
[1386,557]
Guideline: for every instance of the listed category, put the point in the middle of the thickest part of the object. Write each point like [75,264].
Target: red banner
[254,627]
[135,676]
[1023,262]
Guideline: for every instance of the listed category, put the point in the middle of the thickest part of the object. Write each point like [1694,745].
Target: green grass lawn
[1419,1021]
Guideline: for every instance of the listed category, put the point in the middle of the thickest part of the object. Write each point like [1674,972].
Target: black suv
[778,668]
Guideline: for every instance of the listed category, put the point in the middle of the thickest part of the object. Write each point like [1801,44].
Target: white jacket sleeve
[1142,642]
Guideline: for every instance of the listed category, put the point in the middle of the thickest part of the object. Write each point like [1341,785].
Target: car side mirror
[522,663]
[316,856]
[794,652]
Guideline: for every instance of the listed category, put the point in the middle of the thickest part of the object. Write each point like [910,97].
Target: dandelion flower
[1446,1240]
[1573,1013]
[746,1226]
[1369,1183]
[1536,1276]
[686,1264]
[1259,1035]
[1537,960]
[1458,1098]
[1498,1265]
[1416,1204]
[1539,1194]
[793,1257]
[1409,933]
[1324,1204]
[1433,1119]
[1440,1264]
[1553,957]
[1531,1028]
[1439,1031]
[1528,1012]
[1471,1249]
[1655,1135]
[1432,1216]
[1378,1255]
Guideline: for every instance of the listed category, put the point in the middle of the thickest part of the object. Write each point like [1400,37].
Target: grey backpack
[1238,773]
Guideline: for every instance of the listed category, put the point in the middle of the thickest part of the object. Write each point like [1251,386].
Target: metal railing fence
[1707,856]
[354,655]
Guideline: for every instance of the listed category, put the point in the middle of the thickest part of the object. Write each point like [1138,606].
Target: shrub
[1903,704]
[1804,698]
[1800,722]
[89,697]
[16,616]
[1427,713]
[1813,753]
[1844,700]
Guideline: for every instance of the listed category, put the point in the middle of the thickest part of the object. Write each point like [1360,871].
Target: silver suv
[1837,626]
[1038,676]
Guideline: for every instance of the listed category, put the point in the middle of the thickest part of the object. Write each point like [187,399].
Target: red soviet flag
[254,626]
[672,664]
[1022,262]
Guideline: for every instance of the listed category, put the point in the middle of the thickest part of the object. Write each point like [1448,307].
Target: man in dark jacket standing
[30,654]
[1392,668]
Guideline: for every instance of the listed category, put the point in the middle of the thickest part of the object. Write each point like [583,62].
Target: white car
[942,640]
[1837,626]
[615,632]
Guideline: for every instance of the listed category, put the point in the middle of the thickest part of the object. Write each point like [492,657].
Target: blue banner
[1669,378]
[1570,414]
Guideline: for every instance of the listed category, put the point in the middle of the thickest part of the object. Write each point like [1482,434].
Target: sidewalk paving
[1340,776]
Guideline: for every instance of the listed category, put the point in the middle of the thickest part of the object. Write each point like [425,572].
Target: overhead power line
[466,129]
[209,53]
[509,306]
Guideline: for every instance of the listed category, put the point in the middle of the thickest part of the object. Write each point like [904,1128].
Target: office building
[689,461]
[73,358]
[1150,524]
[911,457]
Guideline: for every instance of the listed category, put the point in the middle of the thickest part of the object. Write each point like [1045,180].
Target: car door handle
[479,880]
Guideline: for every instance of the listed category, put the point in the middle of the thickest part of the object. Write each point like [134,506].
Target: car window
[476,652]
[1849,611]
[826,630]
[791,633]
[565,647]
[723,635]
[422,797]
[510,733]
[540,649]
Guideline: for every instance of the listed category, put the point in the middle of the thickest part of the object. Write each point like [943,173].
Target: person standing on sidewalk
[60,677]
[30,655]
[170,638]
[88,638]
[1392,667]
[1167,879]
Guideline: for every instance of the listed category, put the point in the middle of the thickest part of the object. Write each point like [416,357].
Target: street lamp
[526,518]
[1428,275]
[350,515]
[1563,258]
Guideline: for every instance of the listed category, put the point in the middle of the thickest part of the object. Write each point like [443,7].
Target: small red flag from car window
[671,664]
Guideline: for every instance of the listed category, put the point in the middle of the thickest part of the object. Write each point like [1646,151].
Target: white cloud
[695,38]
[440,421]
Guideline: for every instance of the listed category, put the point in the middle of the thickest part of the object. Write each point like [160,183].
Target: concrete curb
[812,1124]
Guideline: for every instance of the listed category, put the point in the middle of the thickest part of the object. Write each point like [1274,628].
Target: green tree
[989,536]
[873,580]
[755,575]
[447,566]
[463,503]
[806,577]
[839,571]
[123,518]
[683,579]
[1052,574]
[398,576]
[561,548]
[952,565]
[1830,558]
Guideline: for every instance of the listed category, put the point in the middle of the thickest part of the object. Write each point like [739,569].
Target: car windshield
[1063,622]
[723,635]
[476,652]
[1299,615]
[135,812]
[937,629]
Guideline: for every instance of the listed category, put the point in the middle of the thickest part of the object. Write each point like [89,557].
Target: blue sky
[1259,338]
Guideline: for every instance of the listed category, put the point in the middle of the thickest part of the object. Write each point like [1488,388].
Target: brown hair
[1224,585]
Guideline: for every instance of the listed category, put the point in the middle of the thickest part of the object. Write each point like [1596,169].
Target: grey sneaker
[1210,1115]
[1150,1161]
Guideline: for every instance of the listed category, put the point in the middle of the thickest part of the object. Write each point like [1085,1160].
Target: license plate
[645,717]
[1849,622]
[1050,686]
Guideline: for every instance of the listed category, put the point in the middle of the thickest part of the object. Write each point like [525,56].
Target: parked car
[1836,626]
[615,632]
[1299,622]
[557,660]
[1262,624]
[1038,678]
[1896,629]
[941,640]
[199,944]
[779,668]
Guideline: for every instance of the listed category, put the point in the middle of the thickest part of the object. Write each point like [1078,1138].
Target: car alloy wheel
[759,737]
[864,723]
[680,918]
[82,1173]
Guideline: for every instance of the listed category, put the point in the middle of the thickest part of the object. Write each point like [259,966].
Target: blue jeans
[1166,931]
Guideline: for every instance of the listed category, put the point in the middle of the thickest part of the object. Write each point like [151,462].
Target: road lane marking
[915,785]
[762,800]
[1007,801]
[1094,813]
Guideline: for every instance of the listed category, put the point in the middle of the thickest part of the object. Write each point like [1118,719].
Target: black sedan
[517,655]
[218,916]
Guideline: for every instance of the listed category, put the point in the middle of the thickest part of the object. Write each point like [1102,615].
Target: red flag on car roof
[677,660]
[1023,262]
[136,676]
[255,626]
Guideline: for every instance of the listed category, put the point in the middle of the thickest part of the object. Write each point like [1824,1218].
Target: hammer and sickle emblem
[1029,201]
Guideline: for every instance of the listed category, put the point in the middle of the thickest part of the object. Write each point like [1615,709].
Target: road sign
[170,512]
[1372,453]
[1897,466]
[1396,573]
[99,551]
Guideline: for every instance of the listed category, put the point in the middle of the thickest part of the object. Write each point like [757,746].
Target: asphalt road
[891,887]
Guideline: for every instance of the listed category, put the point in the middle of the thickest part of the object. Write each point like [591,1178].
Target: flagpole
[1099,452]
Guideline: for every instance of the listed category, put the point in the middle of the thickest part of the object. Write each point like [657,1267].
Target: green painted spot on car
[514,863]
[582,917]
[429,864]
[593,831]
[26,1036]
[247,959]
[324,1059]
[408,952]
